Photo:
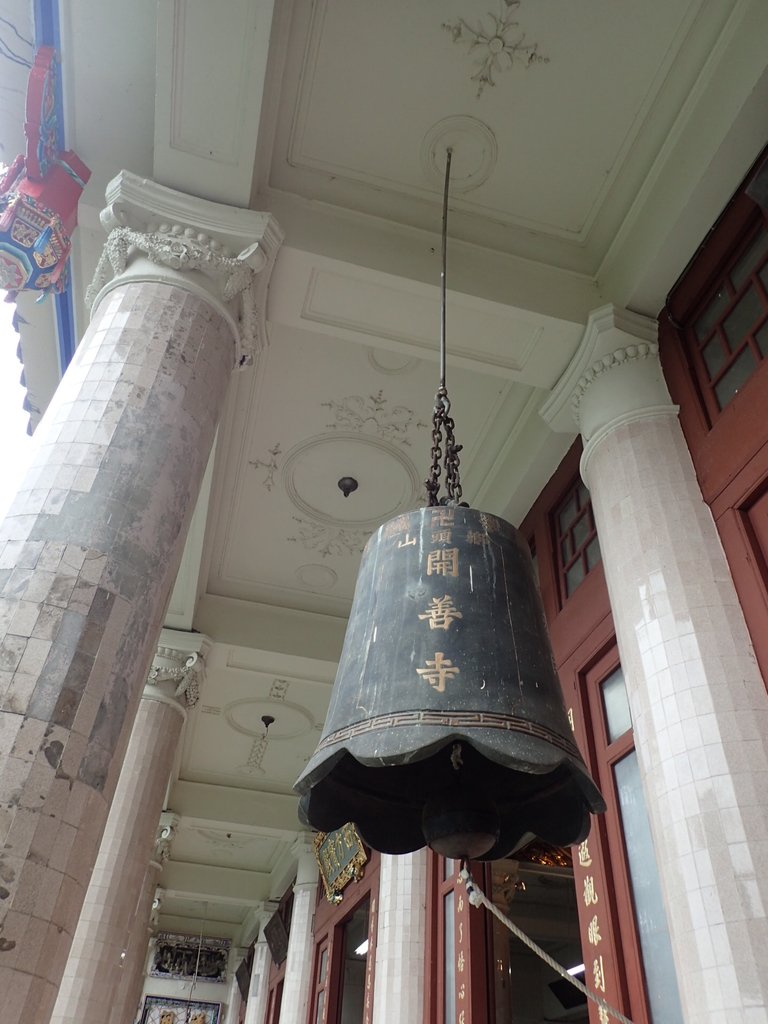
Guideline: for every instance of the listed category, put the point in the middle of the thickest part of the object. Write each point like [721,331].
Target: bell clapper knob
[459,821]
[347,485]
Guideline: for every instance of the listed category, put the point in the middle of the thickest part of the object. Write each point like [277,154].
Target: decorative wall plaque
[176,958]
[341,858]
[276,935]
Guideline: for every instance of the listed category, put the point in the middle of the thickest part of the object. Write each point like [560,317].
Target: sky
[16,443]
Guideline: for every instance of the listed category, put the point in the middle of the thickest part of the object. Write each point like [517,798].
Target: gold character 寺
[438,671]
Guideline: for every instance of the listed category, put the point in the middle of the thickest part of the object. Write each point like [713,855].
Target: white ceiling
[549,157]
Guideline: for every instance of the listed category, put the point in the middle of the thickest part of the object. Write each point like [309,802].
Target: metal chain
[442,426]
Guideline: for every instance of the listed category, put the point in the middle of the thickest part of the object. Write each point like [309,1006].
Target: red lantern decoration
[39,194]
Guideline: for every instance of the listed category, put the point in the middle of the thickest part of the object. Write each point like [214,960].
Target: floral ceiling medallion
[496,47]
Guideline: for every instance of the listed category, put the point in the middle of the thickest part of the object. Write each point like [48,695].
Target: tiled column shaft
[125,1006]
[256,1008]
[399,978]
[699,705]
[233,998]
[298,967]
[93,970]
[88,556]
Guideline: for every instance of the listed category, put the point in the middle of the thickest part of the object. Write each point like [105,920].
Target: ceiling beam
[269,814]
[214,884]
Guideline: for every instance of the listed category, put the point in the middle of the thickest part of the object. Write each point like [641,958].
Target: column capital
[157,902]
[615,375]
[166,833]
[178,668]
[303,849]
[222,252]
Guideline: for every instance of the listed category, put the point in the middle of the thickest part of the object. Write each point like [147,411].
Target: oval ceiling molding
[474,152]
[316,577]
[388,480]
[290,720]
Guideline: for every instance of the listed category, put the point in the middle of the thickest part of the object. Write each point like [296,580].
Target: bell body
[447,724]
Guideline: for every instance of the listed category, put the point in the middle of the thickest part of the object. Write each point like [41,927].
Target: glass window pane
[565,549]
[711,314]
[567,514]
[618,717]
[535,561]
[450,959]
[320,1007]
[593,554]
[449,866]
[663,997]
[735,378]
[574,576]
[323,964]
[714,356]
[741,321]
[355,956]
[750,259]
[581,531]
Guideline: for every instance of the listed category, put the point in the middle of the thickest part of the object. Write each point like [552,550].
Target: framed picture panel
[173,1010]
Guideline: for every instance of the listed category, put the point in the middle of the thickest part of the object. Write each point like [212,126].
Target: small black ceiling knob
[347,484]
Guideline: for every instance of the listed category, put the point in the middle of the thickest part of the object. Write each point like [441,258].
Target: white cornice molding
[608,330]
[222,252]
[136,202]
[612,338]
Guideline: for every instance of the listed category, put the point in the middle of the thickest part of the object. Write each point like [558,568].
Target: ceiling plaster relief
[227,842]
[355,412]
[289,722]
[271,465]
[279,689]
[391,363]
[475,152]
[498,48]
[329,540]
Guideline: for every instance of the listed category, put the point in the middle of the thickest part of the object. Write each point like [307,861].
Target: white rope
[478,898]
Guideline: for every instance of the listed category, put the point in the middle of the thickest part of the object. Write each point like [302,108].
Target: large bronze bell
[446,725]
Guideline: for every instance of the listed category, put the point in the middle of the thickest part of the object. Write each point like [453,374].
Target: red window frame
[730,450]
[716,337]
[329,922]
[472,946]
[569,550]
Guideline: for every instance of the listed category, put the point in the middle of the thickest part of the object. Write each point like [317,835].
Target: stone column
[256,1007]
[398,994]
[699,705]
[99,954]
[90,549]
[233,998]
[298,967]
[127,997]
